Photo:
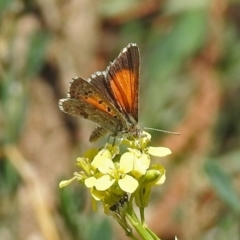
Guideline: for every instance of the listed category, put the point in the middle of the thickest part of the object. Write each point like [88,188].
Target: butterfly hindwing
[86,101]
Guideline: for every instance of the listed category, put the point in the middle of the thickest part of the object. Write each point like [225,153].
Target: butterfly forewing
[122,77]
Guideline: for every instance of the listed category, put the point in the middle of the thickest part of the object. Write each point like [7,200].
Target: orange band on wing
[99,104]
[122,90]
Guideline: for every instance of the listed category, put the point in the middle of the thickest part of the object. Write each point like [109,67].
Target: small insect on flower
[116,207]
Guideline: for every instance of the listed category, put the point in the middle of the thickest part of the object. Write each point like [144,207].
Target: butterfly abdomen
[97,133]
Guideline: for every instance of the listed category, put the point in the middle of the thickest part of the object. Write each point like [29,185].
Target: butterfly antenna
[159,130]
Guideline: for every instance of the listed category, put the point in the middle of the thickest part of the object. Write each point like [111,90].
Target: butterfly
[109,98]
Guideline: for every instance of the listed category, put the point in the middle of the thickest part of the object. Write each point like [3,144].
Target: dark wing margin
[98,80]
[122,77]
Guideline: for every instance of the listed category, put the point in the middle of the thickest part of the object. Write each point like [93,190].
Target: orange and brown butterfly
[108,98]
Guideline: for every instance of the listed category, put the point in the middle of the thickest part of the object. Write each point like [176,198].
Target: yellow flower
[111,177]
[137,161]
[110,173]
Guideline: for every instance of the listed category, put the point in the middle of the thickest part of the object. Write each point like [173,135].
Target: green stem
[132,218]
[132,236]
[126,228]
[154,236]
[141,210]
[139,228]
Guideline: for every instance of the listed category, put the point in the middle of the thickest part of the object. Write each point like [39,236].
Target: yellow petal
[102,163]
[104,182]
[144,160]
[105,165]
[90,182]
[126,162]
[128,184]
[141,165]
[104,153]
[136,152]
[66,182]
[159,151]
[161,180]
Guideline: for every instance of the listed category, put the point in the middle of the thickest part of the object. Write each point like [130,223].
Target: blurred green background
[190,83]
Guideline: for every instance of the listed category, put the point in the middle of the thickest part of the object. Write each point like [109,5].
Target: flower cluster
[116,179]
